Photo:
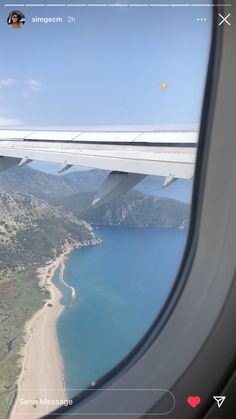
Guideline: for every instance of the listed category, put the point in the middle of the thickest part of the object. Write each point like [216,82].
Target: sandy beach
[40,383]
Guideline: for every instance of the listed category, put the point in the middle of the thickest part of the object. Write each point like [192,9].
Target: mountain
[75,191]
[43,185]
[132,209]
[32,231]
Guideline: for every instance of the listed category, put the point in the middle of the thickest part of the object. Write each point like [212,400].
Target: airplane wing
[130,156]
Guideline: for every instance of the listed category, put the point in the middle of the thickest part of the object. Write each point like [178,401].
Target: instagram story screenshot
[117,209]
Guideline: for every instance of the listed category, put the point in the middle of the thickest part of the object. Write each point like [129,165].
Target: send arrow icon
[219,400]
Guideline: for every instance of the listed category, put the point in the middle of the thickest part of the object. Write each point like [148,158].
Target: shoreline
[73,291]
[42,375]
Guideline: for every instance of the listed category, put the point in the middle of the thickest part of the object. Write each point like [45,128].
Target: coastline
[73,291]
[41,375]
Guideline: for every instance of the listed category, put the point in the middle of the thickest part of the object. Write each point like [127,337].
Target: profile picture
[16,19]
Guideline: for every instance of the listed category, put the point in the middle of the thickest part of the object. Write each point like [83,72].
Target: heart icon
[193,401]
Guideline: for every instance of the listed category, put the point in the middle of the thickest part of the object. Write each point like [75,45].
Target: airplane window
[99,121]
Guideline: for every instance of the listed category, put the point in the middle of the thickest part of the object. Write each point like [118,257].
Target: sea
[121,286]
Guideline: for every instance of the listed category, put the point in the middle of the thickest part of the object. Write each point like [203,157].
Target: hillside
[132,209]
[43,185]
[75,191]
[32,231]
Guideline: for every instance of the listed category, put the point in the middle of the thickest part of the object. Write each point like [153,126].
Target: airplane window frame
[127,371]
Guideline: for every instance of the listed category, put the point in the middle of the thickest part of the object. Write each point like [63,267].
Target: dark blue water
[121,286]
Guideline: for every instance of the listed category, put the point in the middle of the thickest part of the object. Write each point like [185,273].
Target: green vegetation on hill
[32,232]
[132,209]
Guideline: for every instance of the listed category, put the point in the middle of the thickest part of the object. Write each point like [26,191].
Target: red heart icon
[193,401]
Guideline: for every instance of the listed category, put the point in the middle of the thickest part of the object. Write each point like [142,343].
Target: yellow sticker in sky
[163,85]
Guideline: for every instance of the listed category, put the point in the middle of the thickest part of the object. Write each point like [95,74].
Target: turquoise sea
[121,286]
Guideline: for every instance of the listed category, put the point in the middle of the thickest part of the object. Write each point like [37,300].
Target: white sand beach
[41,376]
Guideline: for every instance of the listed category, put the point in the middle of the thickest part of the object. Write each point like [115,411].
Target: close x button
[224,19]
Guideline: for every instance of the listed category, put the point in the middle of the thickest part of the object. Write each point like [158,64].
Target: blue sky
[103,70]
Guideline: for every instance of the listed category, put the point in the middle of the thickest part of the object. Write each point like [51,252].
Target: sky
[105,69]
